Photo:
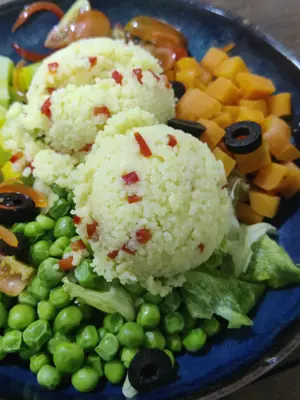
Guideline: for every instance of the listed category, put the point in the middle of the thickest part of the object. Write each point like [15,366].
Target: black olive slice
[178,88]
[243,137]
[20,252]
[193,128]
[16,207]
[150,369]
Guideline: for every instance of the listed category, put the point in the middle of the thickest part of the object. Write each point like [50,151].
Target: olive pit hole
[241,133]
[148,371]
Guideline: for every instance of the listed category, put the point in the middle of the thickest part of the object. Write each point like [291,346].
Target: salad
[136,182]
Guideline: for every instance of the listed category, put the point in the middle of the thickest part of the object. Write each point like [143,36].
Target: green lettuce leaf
[271,264]
[206,294]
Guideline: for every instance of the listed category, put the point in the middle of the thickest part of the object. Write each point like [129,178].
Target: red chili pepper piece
[76,220]
[16,157]
[172,141]
[66,264]
[201,247]
[143,236]
[50,90]
[155,76]
[134,199]
[93,61]
[127,250]
[87,147]
[53,67]
[35,7]
[139,74]
[130,178]
[113,254]
[91,229]
[78,245]
[29,55]
[101,110]
[144,148]
[117,77]
[45,109]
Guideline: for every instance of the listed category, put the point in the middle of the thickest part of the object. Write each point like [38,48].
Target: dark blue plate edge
[289,339]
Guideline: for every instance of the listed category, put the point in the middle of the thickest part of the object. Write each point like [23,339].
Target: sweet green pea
[68,319]
[50,273]
[49,377]
[37,334]
[68,357]
[85,379]
[20,316]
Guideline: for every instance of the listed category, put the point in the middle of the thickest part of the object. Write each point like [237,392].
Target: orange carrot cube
[246,215]
[228,162]
[195,104]
[224,90]
[213,134]
[280,104]
[255,86]
[213,58]
[230,68]
[263,203]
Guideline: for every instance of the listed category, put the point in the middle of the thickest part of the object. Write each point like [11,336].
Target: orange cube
[199,84]
[255,160]
[186,77]
[213,58]
[246,215]
[213,134]
[264,204]
[280,104]
[230,68]
[195,104]
[223,119]
[277,134]
[206,76]
[233,111]
[291,183]
[248,114]
[288,153]
[228,162]
[255,86]
[188,64]
[225,150]
[224,90]
[270,177]
[260,105]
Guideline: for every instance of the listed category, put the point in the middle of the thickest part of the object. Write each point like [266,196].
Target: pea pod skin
[37,334]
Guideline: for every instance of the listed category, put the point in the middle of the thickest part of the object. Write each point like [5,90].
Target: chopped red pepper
[113,254]
[91,229]
[117,77]
[50,90]
[78,245]
[93,61]
[29,55]
[139,74]
[130,178]
[134,199]
[143,236]
[87,147]
[172,141]
[53,67]
[201,247]
[144,148]
[16,157]
[101,110]
[45,109]
[76,220]
[155,76]
[127,250]
[66,264]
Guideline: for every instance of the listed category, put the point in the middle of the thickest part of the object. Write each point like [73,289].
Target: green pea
[61,192]
[211,326]
[26,298]
[49,377]
[33,230]
[68,357]
[85,379]
[93,360]
[64,227]
[174,343]
[152,298]
[135,288]
[38,361]
[189,321]
[86,276]
[171,355]
[26,353]
[113,322]
[20,316]
[2,351]
[58,247]
[57,339]
[38,289]
[131,335]
[46,310]
[50,273]
[194,340]
[102,332]
[148,315]
[59,298]
[173,323]
[37,334]
[3,315]
[45,222]
[114,371]
[40,251]
[19,228]
[87,337]
[12,341]
[108,347]
[155,340]
[59,209]
[68,319]
[170,303]
[127,355]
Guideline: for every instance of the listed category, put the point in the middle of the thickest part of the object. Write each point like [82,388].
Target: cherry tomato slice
[28,55]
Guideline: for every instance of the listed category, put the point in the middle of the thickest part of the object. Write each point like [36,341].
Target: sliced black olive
[243,137]
[150,369]
[193,128]
[20,252]
[178,88]
[16,207]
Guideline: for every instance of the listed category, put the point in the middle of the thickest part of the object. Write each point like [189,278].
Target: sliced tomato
[27,54]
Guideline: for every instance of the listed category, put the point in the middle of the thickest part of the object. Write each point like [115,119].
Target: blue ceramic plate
[239,356]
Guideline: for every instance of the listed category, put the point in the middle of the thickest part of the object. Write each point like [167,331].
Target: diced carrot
[228,162]
[264,204]
[188,64]
[270,177]
[224,90]
[288,153]
[230,68]
[188,78]
[213,58]
[171,74]
[255,160]
[246,215]
[248,114]
[232,110]
[199,84]
[195,104]
[280,104]
[206,76]
[213,134]
[223,119]
[224,149]
[277,134]
[260,105]
[291,183]
[255,86]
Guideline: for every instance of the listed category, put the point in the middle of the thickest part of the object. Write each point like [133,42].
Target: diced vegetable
[14,276]
[213,134]
[246,215]
[38,197]
[206,76]
[270,177]
[223,119]
[6,68]
[288,153]
[291,183]
[255,160]
[230,68]
[264,204]
[196,104]
[224,90]
[188,78]
[248,114]
[280,105]
[233,111]
[188,64]
[276,133]
[213,58]
[255,86]
[228,162]
[260,105]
